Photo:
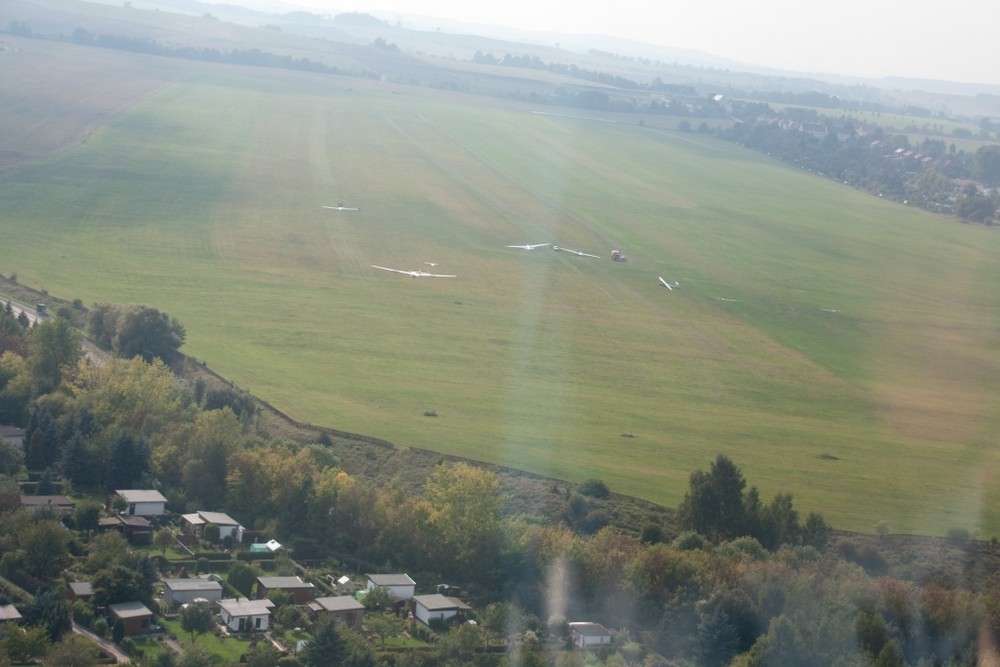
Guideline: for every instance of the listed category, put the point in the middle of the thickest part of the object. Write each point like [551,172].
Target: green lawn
[836,346]
[226,649]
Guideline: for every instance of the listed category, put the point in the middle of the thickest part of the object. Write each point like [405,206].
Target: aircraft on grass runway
[575,252]
[668,285]
[341,207]
[528,246]
[414,274]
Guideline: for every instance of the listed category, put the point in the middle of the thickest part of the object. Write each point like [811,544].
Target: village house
[400,586]
[183,591]
[143,502]
[427,608]
[589,635]
[343,609]
[301,591]
[135,617]
[245,615]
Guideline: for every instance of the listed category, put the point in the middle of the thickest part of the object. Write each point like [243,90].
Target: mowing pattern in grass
[836,346]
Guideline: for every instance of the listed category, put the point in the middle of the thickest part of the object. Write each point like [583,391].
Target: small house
[14,435]
[427,608]
[228,526]
[143,502]
[302,592]
[589,635]
[400,586]
[135,617]
[58,503]
[245,615]
[183,591]
[80,590]
[343,609]
[135,529]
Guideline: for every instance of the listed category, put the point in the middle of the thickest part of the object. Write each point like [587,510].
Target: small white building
[589,635]
[183,591]
[228,526]
[143,502]
[245,615]
[427,608]
[400,586]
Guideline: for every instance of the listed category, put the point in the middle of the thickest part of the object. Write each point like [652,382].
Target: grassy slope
[811,321]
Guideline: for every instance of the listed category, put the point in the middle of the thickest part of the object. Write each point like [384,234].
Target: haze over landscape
[920,40]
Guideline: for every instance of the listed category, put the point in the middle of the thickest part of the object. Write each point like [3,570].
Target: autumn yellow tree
[464,505]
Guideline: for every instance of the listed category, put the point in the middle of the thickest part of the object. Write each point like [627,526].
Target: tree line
[932,175]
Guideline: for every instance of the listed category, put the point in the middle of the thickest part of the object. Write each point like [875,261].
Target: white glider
[528,246]
[575,252]
[668,285]
[414,274]
[341,207]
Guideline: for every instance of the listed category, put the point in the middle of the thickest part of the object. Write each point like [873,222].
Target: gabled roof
[283,582]
[336,603]
[245,607]
[129,610]
[141,495]
[438,602]
[391,580]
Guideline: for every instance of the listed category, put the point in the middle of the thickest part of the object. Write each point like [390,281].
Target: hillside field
[835,346]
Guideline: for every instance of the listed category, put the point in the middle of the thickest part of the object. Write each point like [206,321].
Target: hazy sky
[957,40]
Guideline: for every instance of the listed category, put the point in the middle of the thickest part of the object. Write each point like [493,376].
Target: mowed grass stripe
[800,342]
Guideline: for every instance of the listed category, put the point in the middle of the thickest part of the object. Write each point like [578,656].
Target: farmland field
[836,346]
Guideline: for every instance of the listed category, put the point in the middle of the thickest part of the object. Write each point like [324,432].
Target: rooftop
[141,495]
[391,580]
[283,582]
[192,584]
[129,610]
[9,613]
[589,629]
[245,607]
[438,602]
[336,603]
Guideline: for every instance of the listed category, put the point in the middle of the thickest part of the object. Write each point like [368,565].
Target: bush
[594,488]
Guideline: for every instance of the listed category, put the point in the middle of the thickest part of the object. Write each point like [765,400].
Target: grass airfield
[836,346]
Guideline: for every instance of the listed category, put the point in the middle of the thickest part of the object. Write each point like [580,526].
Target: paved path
[109,647]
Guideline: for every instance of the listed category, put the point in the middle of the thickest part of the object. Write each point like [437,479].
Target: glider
[341,207]
[528,246]
[575,252]
[414,274]
[668,285]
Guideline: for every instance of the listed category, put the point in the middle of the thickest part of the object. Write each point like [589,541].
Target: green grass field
[836,346]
